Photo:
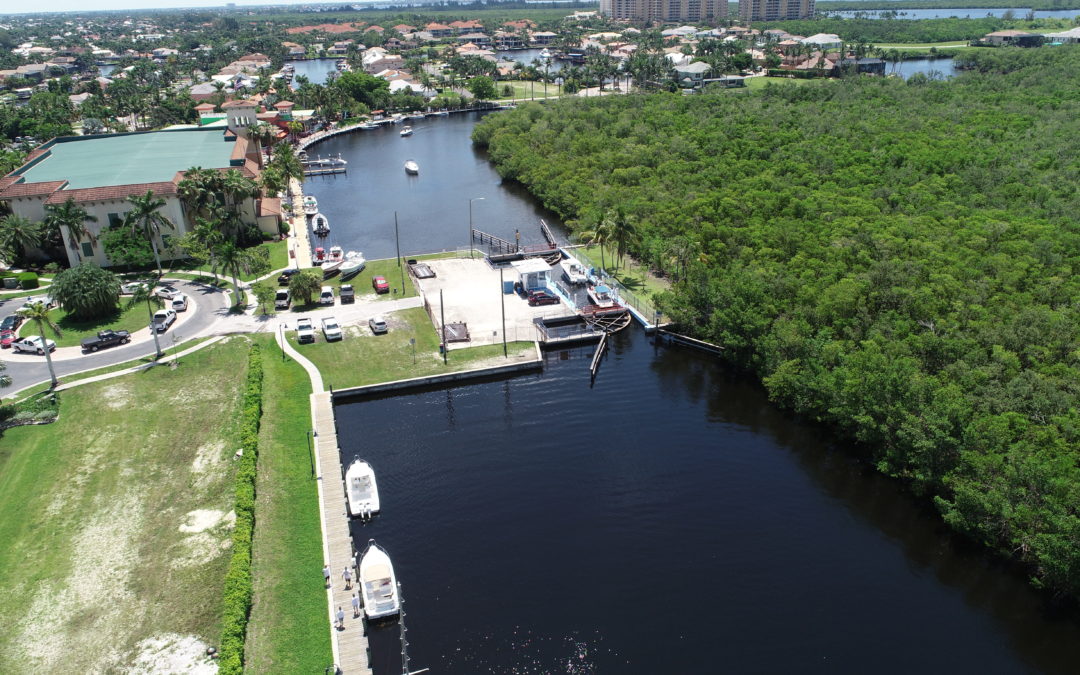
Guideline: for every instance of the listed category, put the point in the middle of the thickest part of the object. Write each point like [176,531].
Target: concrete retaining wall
[420,382]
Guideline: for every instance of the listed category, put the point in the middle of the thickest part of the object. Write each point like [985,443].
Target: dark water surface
[668,520]
[433,207]
[316,70]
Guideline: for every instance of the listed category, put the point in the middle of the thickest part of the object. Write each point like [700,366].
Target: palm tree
[39,314]
[288,163]
[16,235]
[623,233]
[74,218]
[234,261]
[145,217]
[145,293]
[600,234]
[197,190]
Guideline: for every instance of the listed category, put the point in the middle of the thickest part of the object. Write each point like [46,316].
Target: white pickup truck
[305,331]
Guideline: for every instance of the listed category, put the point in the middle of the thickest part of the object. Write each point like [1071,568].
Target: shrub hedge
[237,595]
[28,280]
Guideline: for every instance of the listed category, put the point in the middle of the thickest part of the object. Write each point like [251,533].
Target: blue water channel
[668,519]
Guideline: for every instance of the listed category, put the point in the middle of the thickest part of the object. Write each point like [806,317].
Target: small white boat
[362,490]
[378,583]
[353,265]
[311,205]
[319,257]
[411,167]
[443,113]
[320,225]
[407,131]
[416,116]
[369,125]
[574,271]
[545,54]
[329,161]
[336,254]
[601,296]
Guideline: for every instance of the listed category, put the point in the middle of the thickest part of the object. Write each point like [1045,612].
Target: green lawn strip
[72,332]
[629,273]
[363,358]
[289,631]
[207,279]
[361,284]
[96,561]
[762,82]
[526,90]
[168,351]
[279,258]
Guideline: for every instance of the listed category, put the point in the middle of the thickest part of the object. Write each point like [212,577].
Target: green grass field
[279,258]
[383,358]
[73,332]
[289,630]
[525,90]
[121,542]
[627,271]
[361,284]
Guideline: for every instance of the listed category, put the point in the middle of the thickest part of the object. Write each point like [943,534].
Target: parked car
[379,284]
[284,277]
[132,287]
[179,303]
[305,331]
[542,298]
[377,324]
[11,323]
[6,338]
[347,294]
[106,338]
[326,297]
[167,292]
[163,318]
[330,329]
[282,299]
[33,343]
[43,299]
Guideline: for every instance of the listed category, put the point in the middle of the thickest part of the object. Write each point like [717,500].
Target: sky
[22,6]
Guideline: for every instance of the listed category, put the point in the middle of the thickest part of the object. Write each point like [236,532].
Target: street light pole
[474,199]
[502,300]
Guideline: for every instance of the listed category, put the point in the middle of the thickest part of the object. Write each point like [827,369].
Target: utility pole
[397,243]
[474,199]
[502,301]
[442,319]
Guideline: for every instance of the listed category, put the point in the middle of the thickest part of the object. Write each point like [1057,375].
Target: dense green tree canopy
[898,259]
[86,291]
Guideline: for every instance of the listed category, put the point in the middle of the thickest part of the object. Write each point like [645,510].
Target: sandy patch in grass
[204,519]
[200,549]
[207,468]
[172,653]
[117,396]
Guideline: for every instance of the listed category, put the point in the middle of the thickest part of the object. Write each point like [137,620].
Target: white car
[132,287]
[330,329]
[179,303]
[34,344]
[167,292]
[326,297]
[377,324]
[163,318]
[305,331]
[44,299]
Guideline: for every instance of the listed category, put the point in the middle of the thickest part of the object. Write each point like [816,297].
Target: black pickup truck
[106,338]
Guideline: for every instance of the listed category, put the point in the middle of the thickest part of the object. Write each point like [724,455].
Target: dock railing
[645,309]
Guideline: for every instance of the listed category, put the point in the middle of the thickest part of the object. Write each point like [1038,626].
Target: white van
[327,296]
[281,299]
[179,303]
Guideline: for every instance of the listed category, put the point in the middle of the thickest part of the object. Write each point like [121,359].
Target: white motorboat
[411,167]
[378,583]
[407,131]
[416,116]
[369,125]
[334,260]
[362,490]
[329,161]
[545,54]
[574,271]
[601,296]
[311,205]
[443,113]
[354,264]
[320,225]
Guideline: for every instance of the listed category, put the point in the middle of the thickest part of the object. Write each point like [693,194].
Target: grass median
[73,332]
[401,284]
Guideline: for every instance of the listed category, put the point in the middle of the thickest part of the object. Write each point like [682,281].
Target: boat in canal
[311,205]
[411,167]
[416,116]
[601,296]
[378,583]
[354,263]
[407,131]
[369,125]
[362,490]
[319,257]
[320,225]
[574,271]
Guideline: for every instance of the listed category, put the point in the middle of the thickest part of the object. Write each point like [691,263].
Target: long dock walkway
[350,645]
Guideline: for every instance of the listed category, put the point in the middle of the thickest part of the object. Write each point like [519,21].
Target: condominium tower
[665,10]
[775,10]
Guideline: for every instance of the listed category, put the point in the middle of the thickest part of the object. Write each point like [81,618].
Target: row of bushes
[237,595]
[35,409]
[27,280]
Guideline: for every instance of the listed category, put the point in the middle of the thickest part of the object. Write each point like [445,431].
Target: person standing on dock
[347,576]
[355,606]
[326,575]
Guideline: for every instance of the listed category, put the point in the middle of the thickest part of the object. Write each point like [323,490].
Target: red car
[380,285]
[542,298]
[6,338]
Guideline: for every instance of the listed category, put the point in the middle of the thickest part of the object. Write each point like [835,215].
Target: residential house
[466,27]
[543,38]
[439,30]
[1071,36]
[478,39]
[826,42]
[865,66]
[404,28]
[340,48]
[505,40]
[690,76]
[1016,38]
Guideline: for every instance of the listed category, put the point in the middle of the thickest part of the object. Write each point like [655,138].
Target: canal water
[316,70]
[668,519]
[937,68]
[529,57]
[433,207]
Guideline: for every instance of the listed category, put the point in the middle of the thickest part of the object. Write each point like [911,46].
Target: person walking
[340,618]
[347,576]
[353,561]
[326,575]
[355,606]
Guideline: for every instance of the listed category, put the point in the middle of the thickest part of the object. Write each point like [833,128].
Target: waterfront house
[404,28]
[863,66]
[1015,38]
[691,76]
[1071,36]
[504,40]
[824,42]
[543,38]
[439,30]
[471,26]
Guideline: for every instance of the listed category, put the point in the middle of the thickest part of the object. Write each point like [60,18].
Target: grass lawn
[362,358]
[361,284]
[761,82]
[73,332]
[122,537]
[279,258]
[200,279]
[635,276]
[289,630]
[524,89]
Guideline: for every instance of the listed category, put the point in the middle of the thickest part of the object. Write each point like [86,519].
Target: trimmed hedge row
[28,280]
[237,595]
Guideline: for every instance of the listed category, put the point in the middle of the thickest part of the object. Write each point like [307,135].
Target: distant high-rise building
[775,10]
[665,10]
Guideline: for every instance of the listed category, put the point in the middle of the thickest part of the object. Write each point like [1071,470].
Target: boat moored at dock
[601,296]
[574,271]
[311,205]
[361,489]
[320,225]
[378,583]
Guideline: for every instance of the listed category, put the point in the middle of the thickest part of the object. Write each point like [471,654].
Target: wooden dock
[350,644]
[323,170]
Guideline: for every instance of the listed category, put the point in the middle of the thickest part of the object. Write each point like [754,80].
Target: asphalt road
[212,306]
